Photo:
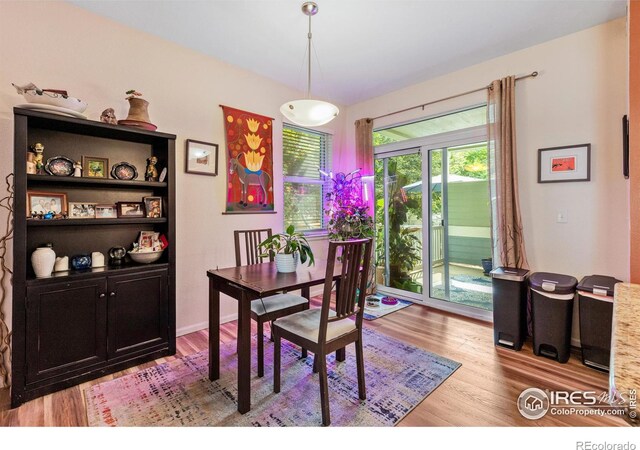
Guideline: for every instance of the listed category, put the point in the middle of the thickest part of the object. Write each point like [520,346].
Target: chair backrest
[355,257]
[249,240]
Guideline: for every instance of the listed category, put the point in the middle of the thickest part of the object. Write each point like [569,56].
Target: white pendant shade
[309,113]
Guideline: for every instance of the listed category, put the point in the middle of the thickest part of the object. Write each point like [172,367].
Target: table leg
[341,353]
[214,331]
[244,354]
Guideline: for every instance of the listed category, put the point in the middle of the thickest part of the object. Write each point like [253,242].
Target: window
[305,153]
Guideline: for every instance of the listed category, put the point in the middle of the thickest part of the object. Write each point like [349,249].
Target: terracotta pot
[138,110]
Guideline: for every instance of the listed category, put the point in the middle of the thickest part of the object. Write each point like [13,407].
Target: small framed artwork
[106,212]
[82,210]
[561,164]
[130,209]
[153,206]
[94,167]
[202,158]
[44,202]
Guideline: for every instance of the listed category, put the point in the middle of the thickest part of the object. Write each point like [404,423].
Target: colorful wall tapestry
[250,161]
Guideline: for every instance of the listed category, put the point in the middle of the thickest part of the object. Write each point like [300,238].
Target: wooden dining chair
[270,308]
[323,330]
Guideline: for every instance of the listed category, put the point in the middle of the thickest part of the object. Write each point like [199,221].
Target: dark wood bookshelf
[92,182]
[94,222]
[82,324]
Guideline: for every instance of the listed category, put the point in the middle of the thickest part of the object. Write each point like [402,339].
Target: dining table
[245,284]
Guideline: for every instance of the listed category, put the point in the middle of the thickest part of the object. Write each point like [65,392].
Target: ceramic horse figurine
[247,178]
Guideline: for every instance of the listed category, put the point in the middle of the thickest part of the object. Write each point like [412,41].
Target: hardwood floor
[482,392]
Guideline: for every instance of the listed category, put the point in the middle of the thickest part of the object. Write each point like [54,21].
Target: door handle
[103,295]
[112,294]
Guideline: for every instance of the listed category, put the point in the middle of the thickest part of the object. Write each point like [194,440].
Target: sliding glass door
[399,221]
[460,221]
[433,221]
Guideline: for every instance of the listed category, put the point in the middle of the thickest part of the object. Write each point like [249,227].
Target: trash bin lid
[598,284]
[553,282]
[509,273]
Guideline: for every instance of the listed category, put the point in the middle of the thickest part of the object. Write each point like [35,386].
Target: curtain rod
[531,75]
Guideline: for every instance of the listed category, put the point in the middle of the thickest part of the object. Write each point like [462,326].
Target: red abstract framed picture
[568,163]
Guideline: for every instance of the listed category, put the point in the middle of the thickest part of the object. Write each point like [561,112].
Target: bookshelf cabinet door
[138,313]
[66,327]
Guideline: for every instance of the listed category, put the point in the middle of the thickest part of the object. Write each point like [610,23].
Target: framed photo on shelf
[202,158]
[562,164]
[79,210]
[106,212]
[153,206]
[94,167]
[44,202]
[130,209]
[147,239]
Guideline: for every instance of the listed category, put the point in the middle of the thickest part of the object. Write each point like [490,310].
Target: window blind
[305,153]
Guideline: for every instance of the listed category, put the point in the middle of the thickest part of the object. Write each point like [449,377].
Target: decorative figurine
[109,116]
[62,264]
[97,259]
[116,255]
[152,172]
[80,262]
[38,149]
[77,169]
[31,163]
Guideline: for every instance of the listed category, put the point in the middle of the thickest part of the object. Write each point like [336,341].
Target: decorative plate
[60,166]
[124,171]
[52,109]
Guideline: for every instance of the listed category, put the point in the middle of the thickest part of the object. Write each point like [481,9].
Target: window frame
[328,150]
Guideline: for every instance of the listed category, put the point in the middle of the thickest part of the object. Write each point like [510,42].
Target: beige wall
[579,97]
[57,45]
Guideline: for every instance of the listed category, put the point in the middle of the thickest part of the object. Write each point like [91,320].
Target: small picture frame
[153,206]
[147,239]
[563,164]
[44,202]
[130,209]
[106,212]
[202,157]
[94,167]
[82,210]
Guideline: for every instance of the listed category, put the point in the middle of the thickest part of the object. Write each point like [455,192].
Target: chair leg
[304,353]
[271,328]
[324,390]
[316,362]
[276,363]
[362,389]
[260,349]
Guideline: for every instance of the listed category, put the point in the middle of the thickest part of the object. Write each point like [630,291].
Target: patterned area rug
[373,313]
[178,393]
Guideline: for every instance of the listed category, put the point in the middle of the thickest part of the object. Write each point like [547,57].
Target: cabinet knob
[103,295]
[112,294]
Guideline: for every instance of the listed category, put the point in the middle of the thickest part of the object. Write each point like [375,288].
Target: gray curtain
[508,238]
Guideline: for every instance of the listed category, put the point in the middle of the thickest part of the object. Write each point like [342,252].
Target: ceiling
[363,48]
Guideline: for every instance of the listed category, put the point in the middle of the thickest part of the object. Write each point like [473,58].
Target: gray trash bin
[509,307]
[595,304]
[552,313]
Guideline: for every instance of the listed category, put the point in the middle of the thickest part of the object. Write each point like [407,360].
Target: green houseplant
[287,248]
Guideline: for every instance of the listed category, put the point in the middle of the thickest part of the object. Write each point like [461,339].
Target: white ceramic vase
[43,260]
[286,262]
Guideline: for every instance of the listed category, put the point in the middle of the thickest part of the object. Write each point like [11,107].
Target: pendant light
[308,112]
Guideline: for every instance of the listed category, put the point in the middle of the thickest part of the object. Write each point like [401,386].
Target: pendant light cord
[309,64]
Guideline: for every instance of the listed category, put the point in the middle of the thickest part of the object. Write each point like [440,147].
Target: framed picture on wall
[561,164]
[202,158]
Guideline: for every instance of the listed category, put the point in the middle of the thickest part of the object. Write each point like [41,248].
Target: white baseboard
[203,325]
[317,290]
